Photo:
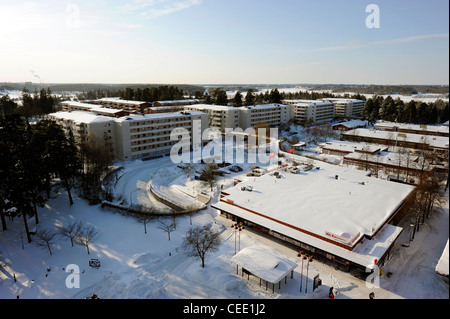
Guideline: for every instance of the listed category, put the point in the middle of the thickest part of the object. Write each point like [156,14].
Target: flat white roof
[263,106]
[260,262]
[89,117]
[342,210]
[418,127]
[431,140]
[119,101]
[352,123]
[153,116]
[82,117]
[212,107]
[341,99]
[309,102]
[346,146]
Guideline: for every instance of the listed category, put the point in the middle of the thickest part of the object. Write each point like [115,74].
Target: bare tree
[145,215]
[86,236]
[201,240]
[188,169]
[167,226]
[71,230]
[3,263]
[209,175]
[45,238]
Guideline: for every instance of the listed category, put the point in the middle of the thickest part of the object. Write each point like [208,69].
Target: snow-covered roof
[154,116]
[415,127]
[211,107]
[178,101]
[352,123]
[81,117]
[263,264]
[342,99]
[307,102]
[442,266]
[350,147]
[315,203]
[119,101]
[432,141]
[263,106]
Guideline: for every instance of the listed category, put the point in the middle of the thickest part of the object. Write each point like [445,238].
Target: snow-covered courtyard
[137,265]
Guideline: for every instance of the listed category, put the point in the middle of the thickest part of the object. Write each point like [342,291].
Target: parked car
[235,169]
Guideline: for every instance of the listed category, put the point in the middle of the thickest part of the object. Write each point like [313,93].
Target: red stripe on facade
[292,226]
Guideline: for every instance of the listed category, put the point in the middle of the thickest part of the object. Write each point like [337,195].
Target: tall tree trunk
[2,217]
[67,185]
[35,213]
[25,222]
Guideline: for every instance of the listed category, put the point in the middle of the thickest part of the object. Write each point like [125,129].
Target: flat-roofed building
[149,135]
[436,130]
[311,111]
[220,116]
[85,124]
[349,125]
[133,136]
[136,107]
[342,148]
[176,102]
[274,115]
[93,108]
[337,212]
[349,108]
[439,144]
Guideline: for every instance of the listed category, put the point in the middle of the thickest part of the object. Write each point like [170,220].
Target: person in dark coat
[331,293]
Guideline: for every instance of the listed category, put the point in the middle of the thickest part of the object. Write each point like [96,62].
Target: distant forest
[37,101]
[386,89]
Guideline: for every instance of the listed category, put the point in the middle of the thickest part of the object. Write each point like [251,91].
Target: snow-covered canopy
[263,264]
[442,266]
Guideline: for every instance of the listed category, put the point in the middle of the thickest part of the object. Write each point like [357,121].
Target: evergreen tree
[250,98]
[220,97]
[274,96]
[237,101]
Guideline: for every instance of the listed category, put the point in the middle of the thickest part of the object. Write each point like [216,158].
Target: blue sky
[224,41]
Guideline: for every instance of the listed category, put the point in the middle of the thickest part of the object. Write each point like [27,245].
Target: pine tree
[237,101]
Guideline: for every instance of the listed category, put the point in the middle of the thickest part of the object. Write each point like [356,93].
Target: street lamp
[237,229]
[310,259]
[301,254]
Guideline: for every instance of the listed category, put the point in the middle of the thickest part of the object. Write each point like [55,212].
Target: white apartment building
[85,123]
[311,111]
[132,136]
[272,114]
[99,110]
[220,116]
[343,107]
[244,117]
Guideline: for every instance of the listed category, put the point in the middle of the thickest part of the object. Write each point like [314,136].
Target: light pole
[302,255]
[310,259]
[237,228]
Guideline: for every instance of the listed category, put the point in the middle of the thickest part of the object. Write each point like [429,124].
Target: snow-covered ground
[139,265]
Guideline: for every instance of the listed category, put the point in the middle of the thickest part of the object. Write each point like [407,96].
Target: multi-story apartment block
[350,108]
[220,116]
[93,108]
[274,115]
[244,117]
[311,111]
[139,107]
[132,136]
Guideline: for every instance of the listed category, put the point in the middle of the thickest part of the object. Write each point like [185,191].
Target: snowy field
[135,265]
